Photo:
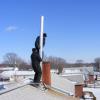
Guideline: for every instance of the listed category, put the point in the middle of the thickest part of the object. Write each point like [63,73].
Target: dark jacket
[35,58]
[37,42]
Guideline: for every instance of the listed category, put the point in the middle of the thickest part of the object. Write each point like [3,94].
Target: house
[16,75]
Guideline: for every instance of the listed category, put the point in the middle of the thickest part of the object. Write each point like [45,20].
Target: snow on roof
[95,91]
[10,73]
[63,84]
[78,78]
[71,71]
[7,68]
[30,93]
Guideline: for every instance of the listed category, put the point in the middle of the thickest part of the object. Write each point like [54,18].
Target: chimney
[78,90]
[46,75]
[91,79]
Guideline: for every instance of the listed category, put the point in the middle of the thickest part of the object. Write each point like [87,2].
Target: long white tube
[41,37]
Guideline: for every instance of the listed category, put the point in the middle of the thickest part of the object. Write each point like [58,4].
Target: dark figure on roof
[37,41]
[35,60]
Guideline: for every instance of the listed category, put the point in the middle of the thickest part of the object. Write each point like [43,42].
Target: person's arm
[44,38]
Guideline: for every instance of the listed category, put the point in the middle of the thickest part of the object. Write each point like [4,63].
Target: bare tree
[97,60]
[79,63]
[97,64]
[57,63]
[12,60]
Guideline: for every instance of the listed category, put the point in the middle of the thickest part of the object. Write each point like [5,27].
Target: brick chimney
[91,78]
[46,75]
[79,90]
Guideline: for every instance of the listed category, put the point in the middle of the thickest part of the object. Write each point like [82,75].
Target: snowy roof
[78,78]
[6,68]
[60,89]
[63,84]
[21,73]
[71,71]
[29,93]
[95,91]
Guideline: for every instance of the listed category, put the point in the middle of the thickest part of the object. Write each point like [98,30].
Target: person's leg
[35,75]
[38,74]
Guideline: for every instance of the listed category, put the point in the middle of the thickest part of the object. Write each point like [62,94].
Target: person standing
[35,60]
[37,41]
